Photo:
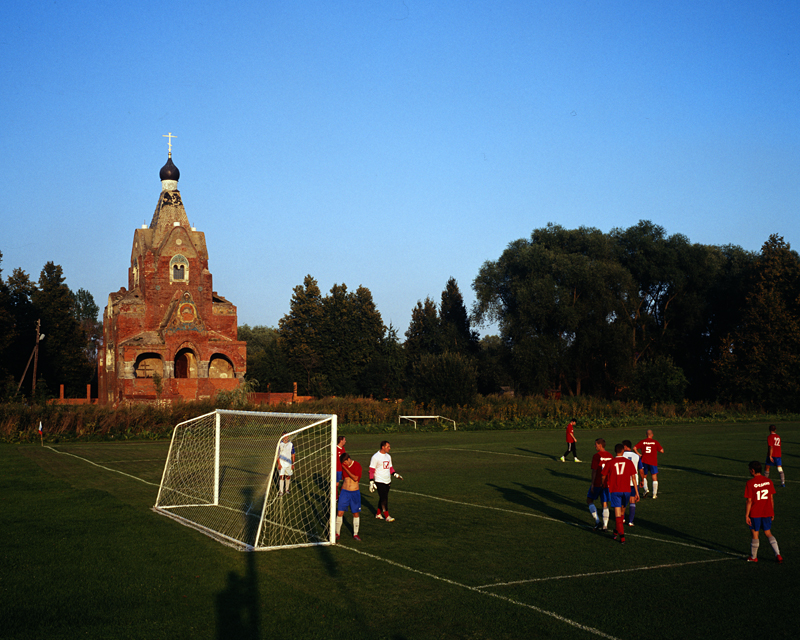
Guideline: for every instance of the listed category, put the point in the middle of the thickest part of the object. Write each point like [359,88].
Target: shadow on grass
[238,604]
[534,498]
[642,523]
[539,453]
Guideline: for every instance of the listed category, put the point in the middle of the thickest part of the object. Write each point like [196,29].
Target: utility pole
[35,352]
[36,357]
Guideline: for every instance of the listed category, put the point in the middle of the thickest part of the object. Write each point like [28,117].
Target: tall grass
[20,423]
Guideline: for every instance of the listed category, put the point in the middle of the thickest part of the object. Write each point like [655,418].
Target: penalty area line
[128,475]
[601,573]
[497,596]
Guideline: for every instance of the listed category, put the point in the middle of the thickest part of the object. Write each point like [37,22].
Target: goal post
[221,478]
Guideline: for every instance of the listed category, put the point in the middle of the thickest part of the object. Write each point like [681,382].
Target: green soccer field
[492,539]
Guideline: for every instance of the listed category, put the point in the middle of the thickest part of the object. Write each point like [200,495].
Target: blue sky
[390,144]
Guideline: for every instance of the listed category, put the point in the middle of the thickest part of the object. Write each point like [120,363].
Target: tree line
[632,314]
[68,333]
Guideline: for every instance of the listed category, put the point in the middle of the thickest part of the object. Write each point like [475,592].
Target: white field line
[567,522]
[558,617]
[64,453]
[601,573]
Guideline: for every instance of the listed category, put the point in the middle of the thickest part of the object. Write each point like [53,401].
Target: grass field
[492,540]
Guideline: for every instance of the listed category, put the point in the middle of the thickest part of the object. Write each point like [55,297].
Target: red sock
[620,529]
[379,512]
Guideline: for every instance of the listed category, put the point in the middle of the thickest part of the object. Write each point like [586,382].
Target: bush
[658,380]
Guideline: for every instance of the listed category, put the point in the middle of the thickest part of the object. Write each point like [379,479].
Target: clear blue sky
[389,143]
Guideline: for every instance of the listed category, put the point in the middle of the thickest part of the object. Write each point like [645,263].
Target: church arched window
[178,269]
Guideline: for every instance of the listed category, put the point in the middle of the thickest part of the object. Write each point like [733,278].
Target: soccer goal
[425,420]
[221,478]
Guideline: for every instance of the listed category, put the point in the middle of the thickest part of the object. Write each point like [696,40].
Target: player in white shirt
[631,455]
[286,457]
[381,473]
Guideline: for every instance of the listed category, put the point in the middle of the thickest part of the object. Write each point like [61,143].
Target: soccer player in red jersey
[760,510]
[350,495]
[649,448]
[571,440]
[619,473]
[774,454]
[597,488]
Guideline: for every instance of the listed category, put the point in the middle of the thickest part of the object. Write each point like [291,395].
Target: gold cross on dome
[169,142]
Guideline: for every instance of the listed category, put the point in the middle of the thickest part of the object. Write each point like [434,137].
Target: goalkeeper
[381,473]
[350,495]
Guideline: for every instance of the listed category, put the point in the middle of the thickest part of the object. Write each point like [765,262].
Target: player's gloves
[372,486]
[398,476]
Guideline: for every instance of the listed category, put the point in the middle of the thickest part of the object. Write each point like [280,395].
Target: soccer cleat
[576,460]
[779,558]
[280,493]
[379,517]
[562,459]
[783,484]
[630,524]
[389,519]
[616,536]
[337,537]
[654,496]
[357,538]
[752,559]
[645,494]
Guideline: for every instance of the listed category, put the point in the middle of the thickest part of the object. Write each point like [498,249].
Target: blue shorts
[777,462]
[338,477]
[595,492]
[633,492]
[639,465]
[619,499]
[761,524]
[350,499]
[649,468]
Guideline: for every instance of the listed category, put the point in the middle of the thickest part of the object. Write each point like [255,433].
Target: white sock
[644,485]
[753,547]
[339,524]
[356,523]
[655,488]
[774,544]
[288,480]
[280,484]
[593,511]
[605,517]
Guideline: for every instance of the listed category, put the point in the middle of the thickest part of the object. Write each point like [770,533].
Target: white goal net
[221,478]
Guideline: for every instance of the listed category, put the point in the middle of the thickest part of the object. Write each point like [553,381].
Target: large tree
[331,339]
[300,332]
[760,360]
[559,300]
[456,334]
[62,355]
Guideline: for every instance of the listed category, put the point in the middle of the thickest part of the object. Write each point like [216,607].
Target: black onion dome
[169,171]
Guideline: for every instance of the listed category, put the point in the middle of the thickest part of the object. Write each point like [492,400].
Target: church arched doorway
[185,364]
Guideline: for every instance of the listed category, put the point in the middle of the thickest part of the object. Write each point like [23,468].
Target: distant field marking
[552,614]
[602,573]
[64,453]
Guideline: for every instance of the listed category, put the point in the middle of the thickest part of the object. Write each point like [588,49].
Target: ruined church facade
[169,335]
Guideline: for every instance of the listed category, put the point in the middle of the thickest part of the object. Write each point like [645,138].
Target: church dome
[169,171]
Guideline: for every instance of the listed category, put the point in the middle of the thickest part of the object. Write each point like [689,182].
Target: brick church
[169,335]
